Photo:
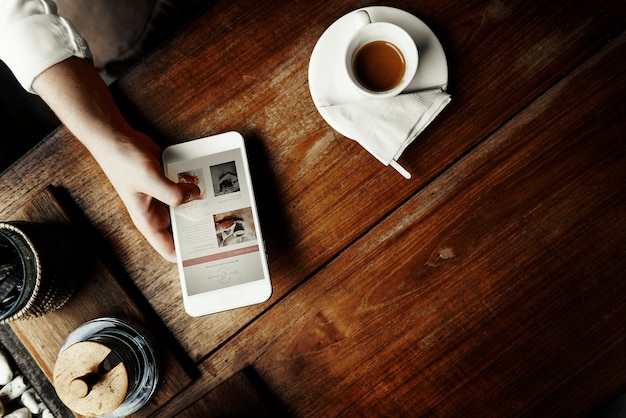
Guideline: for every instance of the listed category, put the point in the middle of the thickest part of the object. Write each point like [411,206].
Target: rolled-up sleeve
[33,38]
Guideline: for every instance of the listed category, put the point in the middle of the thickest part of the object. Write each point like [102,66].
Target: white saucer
[328,81]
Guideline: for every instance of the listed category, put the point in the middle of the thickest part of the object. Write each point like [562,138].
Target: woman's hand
[134,169]
[131,160]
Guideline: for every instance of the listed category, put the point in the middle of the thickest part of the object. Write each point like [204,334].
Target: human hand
[134,169]
[130,159]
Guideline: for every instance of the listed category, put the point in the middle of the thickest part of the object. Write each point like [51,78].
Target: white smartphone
[219,246]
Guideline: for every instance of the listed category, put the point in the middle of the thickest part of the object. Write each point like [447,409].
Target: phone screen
[217,235]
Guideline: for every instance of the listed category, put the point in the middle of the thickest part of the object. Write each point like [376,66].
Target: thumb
[172,193]
[186,193]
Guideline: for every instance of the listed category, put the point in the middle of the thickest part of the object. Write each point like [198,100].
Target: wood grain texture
[243,66]
[239,396]
[497,290]
[470,287]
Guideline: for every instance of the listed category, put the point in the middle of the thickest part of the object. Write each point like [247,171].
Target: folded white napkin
[385,127]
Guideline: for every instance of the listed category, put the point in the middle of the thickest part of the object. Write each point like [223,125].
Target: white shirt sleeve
[33,38]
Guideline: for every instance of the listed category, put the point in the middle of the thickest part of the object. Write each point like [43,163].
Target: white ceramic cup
[367,32]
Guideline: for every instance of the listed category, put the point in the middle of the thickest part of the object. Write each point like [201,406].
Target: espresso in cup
[381,58]
[379,66]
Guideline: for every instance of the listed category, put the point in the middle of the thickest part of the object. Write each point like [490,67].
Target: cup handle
[362,18]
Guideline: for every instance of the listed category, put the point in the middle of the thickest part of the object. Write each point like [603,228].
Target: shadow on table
[243,395]
[614,408]
[273,405]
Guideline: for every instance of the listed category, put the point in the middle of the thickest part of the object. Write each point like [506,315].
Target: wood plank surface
[497,290]
[243,66]
[102,294]
[490,281]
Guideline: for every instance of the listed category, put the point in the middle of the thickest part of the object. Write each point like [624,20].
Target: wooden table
[489,284]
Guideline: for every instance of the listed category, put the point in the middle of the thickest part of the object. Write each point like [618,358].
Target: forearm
[82,101]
